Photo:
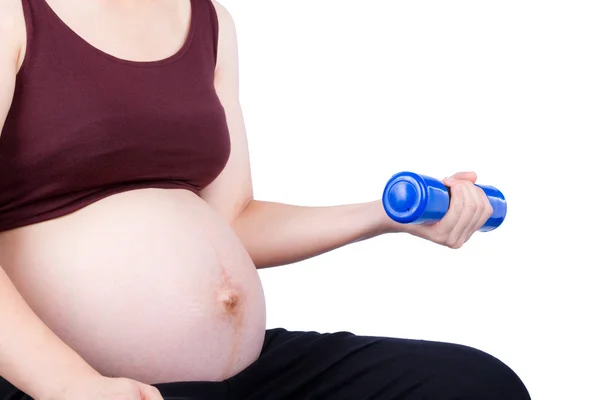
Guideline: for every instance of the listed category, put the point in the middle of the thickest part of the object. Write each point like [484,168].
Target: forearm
[32,357]
[277,234]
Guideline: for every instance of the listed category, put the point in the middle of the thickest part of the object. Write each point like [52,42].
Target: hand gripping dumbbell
[410,198]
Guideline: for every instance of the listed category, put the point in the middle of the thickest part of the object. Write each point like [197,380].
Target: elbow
[243,207]
[237,217]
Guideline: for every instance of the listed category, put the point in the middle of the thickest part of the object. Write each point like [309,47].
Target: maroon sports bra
[85,125]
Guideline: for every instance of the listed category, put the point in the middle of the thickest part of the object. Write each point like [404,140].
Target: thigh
[311,365]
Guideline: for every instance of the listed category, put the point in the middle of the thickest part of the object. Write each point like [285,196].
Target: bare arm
[277,234]
[31,357]
[274,233]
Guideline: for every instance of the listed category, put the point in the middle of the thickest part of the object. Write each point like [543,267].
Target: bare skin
[158,285]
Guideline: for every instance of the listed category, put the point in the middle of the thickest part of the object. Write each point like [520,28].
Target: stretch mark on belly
[229,295]
[230,298]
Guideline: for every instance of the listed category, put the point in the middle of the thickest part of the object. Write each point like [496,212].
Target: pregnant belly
[151,285]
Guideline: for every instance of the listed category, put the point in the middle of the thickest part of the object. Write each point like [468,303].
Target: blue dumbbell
[410,198]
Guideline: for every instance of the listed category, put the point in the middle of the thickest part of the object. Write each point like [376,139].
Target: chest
[97,127]
[150,31]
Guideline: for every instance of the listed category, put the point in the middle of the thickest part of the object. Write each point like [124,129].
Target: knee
[474,374]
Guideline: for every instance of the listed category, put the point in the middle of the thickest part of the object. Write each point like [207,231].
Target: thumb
[460,176]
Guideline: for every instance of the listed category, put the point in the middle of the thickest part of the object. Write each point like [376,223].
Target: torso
[148,284]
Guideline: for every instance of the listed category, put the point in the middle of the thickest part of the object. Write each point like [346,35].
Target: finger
[478,218]
[464,204]
[488,210]
[150,393]
[449,221]
[469,208]
[460,176]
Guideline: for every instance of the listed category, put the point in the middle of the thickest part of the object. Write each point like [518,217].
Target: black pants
[310,365]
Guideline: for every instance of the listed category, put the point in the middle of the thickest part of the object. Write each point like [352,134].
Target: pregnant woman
[130,239]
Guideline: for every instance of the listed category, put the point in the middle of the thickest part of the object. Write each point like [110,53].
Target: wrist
[59,385]
[385,224]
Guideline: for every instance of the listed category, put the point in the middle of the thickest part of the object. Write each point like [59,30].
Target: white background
[340,95]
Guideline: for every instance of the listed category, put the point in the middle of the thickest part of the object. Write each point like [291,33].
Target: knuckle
[455,245]
[155,391]
[489,210]
[471,206]
[457,189]
[457,201]
[450,241]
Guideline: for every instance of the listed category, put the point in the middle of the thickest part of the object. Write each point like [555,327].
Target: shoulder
[223,13]
[227,48]
[225,20]
[13,34]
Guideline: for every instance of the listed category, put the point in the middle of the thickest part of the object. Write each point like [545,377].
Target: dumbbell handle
[410,198]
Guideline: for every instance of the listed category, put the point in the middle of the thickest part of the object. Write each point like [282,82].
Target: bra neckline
[174,57]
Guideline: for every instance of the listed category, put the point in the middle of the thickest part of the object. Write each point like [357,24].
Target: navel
[230,300]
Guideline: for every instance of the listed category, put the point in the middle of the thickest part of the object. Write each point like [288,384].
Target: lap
[341,365]
[310,365]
